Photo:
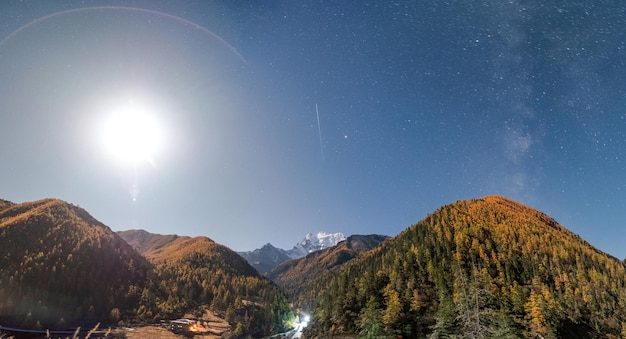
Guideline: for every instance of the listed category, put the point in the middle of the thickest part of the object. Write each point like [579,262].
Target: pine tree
[370,319]
[445,319]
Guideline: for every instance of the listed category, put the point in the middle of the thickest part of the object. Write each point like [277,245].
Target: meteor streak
[319,130]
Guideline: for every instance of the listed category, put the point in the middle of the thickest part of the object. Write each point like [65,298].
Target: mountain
[294,275]
[146,242]
[265,258]
[4,204]
[315,242]
[172,248]
[268,256]
[196,272]
[61,267]
[488,267]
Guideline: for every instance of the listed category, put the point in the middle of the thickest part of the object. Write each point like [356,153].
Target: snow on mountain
[315,242]
[268,256]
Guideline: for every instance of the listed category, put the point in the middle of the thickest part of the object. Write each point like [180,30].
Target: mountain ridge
[61,268]
[474,268]
[62,281]
[294,275]
[486,265]
[197,272]
[315,242]
[268,256]
[143,240]
[265,258]
[167,248]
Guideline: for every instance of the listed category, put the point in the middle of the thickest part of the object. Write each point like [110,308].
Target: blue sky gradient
[420,103]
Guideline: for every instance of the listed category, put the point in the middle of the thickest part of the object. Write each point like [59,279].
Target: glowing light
[132,135]
[196,327]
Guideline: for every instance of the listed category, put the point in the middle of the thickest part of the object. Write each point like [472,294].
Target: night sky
[272,119]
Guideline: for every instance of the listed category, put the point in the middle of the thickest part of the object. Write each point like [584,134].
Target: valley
[487,266]
[313,169]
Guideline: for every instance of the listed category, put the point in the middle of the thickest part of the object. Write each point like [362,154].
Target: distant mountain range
[60,268]
[488,267]
[295,275]
[264,259]
[315,242]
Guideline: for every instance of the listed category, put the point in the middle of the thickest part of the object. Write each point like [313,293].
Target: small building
[181,325]
[188,326]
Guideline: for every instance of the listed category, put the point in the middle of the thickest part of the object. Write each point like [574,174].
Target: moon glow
[132,135]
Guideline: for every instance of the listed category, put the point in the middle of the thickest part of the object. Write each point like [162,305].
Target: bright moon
[132,136]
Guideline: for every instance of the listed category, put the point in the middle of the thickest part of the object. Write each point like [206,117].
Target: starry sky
[279,118]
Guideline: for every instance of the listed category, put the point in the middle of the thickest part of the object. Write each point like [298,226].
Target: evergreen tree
[370,319]
[445,319]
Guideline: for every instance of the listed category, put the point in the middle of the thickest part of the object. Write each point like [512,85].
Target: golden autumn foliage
[487,267]
[61,267]
[194,272]
[295,275]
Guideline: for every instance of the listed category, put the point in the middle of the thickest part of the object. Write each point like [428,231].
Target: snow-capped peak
[315,242]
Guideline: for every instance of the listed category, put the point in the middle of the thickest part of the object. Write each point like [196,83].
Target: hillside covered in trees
[483,268]
[61,268]
[296,275]
[193,272]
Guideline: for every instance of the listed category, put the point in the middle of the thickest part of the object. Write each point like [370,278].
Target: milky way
[422,103]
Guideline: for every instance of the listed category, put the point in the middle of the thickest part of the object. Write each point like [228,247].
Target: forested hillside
[145,242]
[192,272]
[484,268]
[295,276]
[60,267]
